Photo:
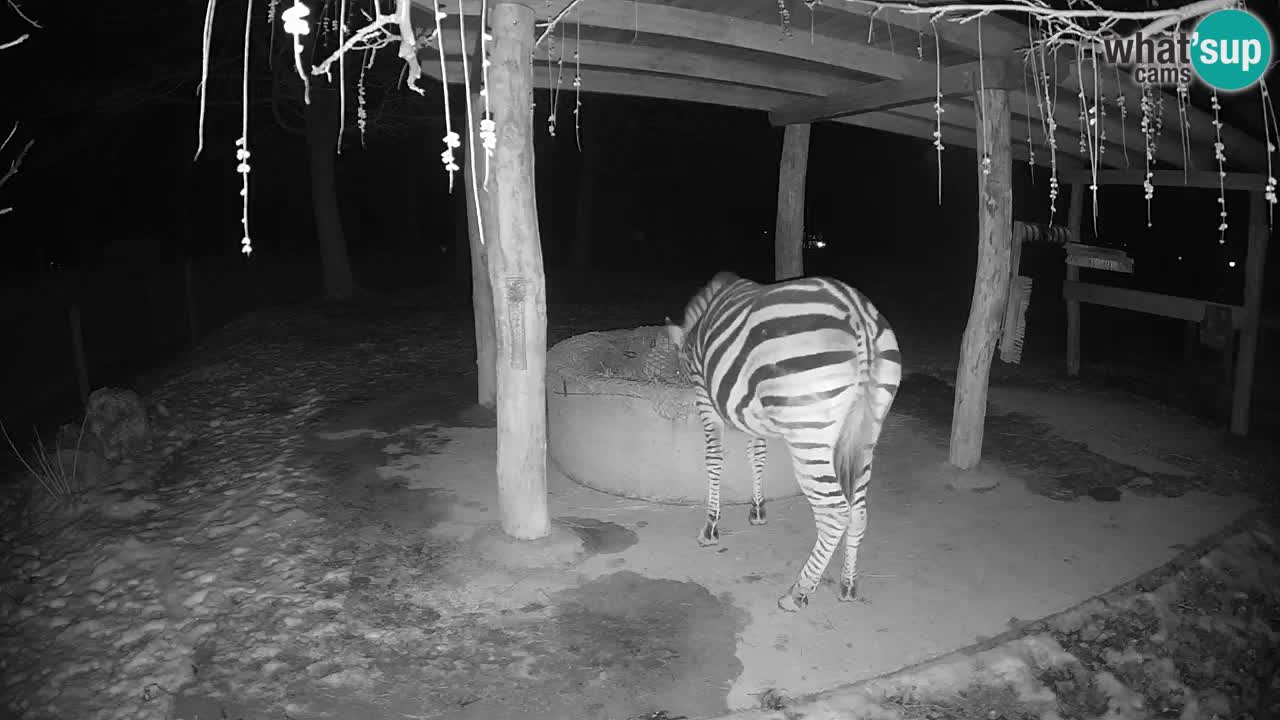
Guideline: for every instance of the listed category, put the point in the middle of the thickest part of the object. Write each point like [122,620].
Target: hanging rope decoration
[242,143]
[1124,114]
[1056,27]
[577,87]
[295,23]
[451,140]
[1272,130]
[937,103]
[1220,155]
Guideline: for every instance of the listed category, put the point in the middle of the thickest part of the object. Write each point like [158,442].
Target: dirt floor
[320,543]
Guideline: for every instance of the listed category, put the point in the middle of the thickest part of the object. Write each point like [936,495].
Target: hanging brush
[1014,328]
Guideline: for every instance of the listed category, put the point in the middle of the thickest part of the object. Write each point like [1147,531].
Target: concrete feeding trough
[621,418]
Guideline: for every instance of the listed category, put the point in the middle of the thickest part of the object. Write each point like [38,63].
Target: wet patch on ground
[1050,465]
[628,646]
[600,537]
[622,646]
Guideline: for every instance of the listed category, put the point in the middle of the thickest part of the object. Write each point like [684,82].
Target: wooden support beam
[991,283]
[788,239]
[897,123]
[518,281]
[720,29]
[964,117]
[1075,215]
[1254,265]
[958,121]
[1000,35]
[770,72]
[1170,306]
[920,87]
[1171,178]
[481,226]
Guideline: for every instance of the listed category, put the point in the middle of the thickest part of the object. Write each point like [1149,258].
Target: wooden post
[788,239]
[480,222]
[1075,214]
[518,281]
[991,283]
[1254,265]
[77,352]
[463,208]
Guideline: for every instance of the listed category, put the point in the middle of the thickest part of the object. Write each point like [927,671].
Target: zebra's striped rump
[810,361]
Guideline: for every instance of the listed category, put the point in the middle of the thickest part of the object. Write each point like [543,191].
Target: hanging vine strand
[1082,26]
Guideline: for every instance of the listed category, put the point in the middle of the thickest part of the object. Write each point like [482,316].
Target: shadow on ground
[1050,465]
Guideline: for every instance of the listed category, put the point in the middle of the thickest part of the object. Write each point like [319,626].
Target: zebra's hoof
[848,591]
[793,600]
[710,535]
[756,515]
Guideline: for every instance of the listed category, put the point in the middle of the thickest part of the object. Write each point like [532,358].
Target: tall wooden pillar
[1253,270]
[788,239]
[1075,215]
[991,283]
[518,281]
[479,219]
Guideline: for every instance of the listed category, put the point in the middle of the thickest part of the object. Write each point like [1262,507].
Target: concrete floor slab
[941,568]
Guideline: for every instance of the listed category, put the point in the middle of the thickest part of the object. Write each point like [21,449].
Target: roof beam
[1000,35]
[714,93]
[647,18]
[642,58]
[921,87]
[960,120]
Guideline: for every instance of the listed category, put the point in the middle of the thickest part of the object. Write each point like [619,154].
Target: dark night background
[110,189]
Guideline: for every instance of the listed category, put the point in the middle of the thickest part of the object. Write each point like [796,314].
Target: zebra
[810,361]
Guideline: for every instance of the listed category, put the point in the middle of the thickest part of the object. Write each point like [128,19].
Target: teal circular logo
[1231,49]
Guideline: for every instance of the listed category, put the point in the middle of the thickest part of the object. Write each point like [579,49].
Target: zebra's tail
[861,429]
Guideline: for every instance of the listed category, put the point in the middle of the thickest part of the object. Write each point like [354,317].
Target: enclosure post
[1074,217]
[77,352]
[479,219]
[788,238]
[991,282]
[518,280]
[1254,265]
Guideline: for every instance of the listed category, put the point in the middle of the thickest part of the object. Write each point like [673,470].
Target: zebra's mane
[702,300]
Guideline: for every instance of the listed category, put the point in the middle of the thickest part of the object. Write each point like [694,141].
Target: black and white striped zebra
[810,361]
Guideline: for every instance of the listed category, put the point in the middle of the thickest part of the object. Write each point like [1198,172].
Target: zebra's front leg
[712,431]
[758,452]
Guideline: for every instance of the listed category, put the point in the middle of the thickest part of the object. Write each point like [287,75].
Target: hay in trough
[640,363]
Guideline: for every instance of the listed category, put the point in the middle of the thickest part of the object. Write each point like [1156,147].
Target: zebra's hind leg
[831,521]
[852,539]
[817,480]
[759,452]
[885,375]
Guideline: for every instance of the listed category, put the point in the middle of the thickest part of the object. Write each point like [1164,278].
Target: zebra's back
[777,359]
